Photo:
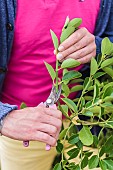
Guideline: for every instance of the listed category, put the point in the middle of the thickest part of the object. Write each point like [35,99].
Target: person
[25,43]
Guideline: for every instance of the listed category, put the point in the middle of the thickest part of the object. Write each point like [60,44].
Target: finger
[86,59]
[53,106]
[46,128]
[51,121]
[48,111]
[41,104]
[83,52]
[53,112]
[85,41]
[44,137]
[74,38]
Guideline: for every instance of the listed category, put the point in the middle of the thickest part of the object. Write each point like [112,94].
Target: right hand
[33,123]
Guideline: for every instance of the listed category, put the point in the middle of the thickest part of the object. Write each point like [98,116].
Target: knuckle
[94,46]
[45,137]
[81,53]
[54,130]
[59,124]
[59,115]
[84,29]
[93,38]
[94,53]
[66,52]
[39,116]
[78,35]
[53,142]
[76,46]
[85,60]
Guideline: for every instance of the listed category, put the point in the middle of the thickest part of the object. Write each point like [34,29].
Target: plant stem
[56,75]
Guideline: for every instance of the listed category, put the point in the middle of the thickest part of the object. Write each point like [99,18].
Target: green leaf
[99,74]
[66,33]
[88,154]
[50,70]
[59,147]
[76,88]
[55,39]
[87,113]
[71,166]
[109,164]
[66,89]
[66,22]
[85,136]
[70,63]
[64,109]
[99,58]
[108,99]
[107,62]
[73,153]
[76,81]
[77,167]
[103,165]
[93,67]
[93,162]
[70,104]
[75,22]
[110,124]
[23,105]
[108,70]
[108,92]
[108,144]
[71,75]
[79,145]
[73,139]
[95,140]
[84,162]
[96,91]
[87,83]
[63,133]
[106,47]
[57,167]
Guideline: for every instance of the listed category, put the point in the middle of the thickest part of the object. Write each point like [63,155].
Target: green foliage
[50,70]
[55,39]
[70,63]
[95,102]
[85,136]
[23,105]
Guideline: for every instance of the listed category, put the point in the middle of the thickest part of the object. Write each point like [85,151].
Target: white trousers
[14,156]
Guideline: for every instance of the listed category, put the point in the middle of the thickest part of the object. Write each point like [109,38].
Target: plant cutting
[92,108]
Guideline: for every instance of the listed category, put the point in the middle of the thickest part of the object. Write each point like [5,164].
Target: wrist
[2,123]
[5,109]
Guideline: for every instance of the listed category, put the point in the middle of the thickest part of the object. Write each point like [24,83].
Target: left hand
[79,46]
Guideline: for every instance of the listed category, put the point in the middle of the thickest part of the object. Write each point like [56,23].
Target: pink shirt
[27,79]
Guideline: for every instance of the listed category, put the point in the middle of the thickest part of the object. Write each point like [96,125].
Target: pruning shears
[51,100]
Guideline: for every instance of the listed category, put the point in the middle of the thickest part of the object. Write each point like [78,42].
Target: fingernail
[59,56]
[61,48]
[53,106]
[40,104]
[55,52]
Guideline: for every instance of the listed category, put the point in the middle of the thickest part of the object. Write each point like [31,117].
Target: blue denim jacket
[104,28]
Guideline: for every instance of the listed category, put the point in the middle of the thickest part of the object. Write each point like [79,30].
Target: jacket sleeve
[108,31]
[5,109]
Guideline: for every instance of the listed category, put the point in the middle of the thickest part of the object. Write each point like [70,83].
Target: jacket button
[9,26]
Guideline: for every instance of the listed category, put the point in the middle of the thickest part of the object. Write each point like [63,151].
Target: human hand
[79,46]
[33,123]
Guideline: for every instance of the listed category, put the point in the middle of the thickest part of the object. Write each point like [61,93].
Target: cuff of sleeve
[98,41]
[5,108]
